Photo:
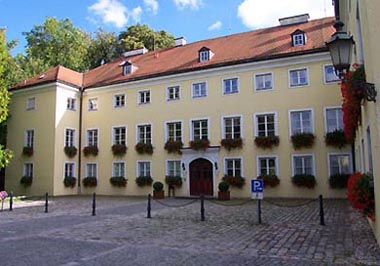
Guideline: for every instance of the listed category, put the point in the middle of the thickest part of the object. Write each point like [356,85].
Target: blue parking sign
[257,185]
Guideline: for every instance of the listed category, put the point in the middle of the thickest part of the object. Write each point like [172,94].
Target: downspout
[81,90]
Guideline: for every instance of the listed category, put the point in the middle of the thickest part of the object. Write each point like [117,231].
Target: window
[69,137]
[263,81]
[31,103]
[199,90]
[127,68]
[173,93]
[71,104]
[233,167]
[28,169]
[334,119]
[119,135]
[369,150]
[330,75]
[92,137]
[173,168]
[230,86]
[144,133]
[303,165]
[144,97]
[119,100]
[29,138]
[298,77]
[93,104]
[118,169]
[232,127]
[301,122]
[174,131]
[200,129]
[91,170]
[69,170]
[267,165]
[339,164]
[143,168]
[266,125]
[298,40]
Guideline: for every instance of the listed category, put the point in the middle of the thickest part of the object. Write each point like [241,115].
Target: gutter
[81,90]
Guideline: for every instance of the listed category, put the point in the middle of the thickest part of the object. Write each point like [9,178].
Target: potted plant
[26,181]
[199,144]
[90,181]
[119,149]
[27,151]
[144,181]
[144,148]
[173,181]
[118,181]
[304,180]
[224,193]
[269,180]
[173,146]
[91,150]
[235,181]
[69,181]
[336,139]
[70,151]
[158,190]
[338,181]
[303,140]
[232,143]
[267,142]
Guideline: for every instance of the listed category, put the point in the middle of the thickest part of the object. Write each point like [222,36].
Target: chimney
[294,20]
[181,41]
[136,52]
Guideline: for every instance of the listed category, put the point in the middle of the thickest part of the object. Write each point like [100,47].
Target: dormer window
[205,54]
[298,38]
[128,67]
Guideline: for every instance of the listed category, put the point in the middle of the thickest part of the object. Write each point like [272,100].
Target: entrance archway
[201,178]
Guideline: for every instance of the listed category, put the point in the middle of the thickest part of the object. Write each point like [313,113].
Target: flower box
[267,142]
[303,140]
[144,148]
[304,180]
[27,151]
[336,139]
[173,146]
[199,144]
[173,181]
[270,180]
[118,181]
[26,181]
[232,143]
[90,150]
[235,181]
[144,181]
[119,149]
[338,181]
[90,181]
[70,151]
[69,181]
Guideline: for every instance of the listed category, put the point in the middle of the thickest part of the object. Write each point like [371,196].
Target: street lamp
[340,47]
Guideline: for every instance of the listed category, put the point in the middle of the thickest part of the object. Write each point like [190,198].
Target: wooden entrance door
[201,178]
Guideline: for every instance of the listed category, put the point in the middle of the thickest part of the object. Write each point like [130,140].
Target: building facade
[220,98]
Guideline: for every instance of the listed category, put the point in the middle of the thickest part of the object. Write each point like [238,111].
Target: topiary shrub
[304,180]
[158,186]
[69,181]
[224,186]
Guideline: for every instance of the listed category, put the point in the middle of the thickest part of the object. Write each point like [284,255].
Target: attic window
[298,38]
[128,67]
[42,76]
[205,54]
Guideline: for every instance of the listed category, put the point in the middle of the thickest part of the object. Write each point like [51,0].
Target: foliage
[173,146]
[26,181]
[303,140]
[200,144]
[27,151]
[173,181]
[70,151]
[158,186]
[144,181]
[69,181]
[336,139]
[338,180]
[144,148]
[232,143]
[90,181]
[269,180]
[360,192]
[90,150]
[119,149]
[235,181]
[304,180]
[224,186]
[267,142]
[118,181]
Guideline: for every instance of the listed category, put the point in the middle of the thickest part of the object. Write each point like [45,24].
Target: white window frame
[93,104]
[119,162]
[299,85]
[325,109]
[166,124]
[223,123]
[25,169]
[138,167]
[26,138]
[87,136]
[338,154]
[224,92]
[115,100]
[73,170]
[334,81]
[113,140]
[143,93]
[167,166]
[71,104]
[168,93]
[234,158]
[268,156]
[138,132]
[193,96]
[30,103]
[255,76]
[199,119]
[299,39]
[204,56]
[73,138]
[256,124]
[304,155]
[301,110]
[96,170]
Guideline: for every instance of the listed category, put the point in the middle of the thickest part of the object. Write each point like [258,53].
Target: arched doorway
[201,178]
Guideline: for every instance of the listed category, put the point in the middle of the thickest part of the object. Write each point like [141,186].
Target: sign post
[257,188]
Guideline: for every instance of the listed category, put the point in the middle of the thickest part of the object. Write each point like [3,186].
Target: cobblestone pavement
[120,233]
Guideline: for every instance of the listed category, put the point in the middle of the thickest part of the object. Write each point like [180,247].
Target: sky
[193,19]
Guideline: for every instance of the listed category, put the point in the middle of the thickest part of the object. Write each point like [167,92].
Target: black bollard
[11,201]
[94,204]
[46,203]
[149,208]
[259,210]
[202,208]
[321,211]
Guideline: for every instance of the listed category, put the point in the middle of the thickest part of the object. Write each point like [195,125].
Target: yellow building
[361,21]
[238,99]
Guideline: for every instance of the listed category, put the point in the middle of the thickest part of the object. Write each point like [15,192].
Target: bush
[303,140]
[69,181]
[70,151]
[144,148]
[338,180]
[119,149]
[232,143]
[235,181]
[90,150]
[90,181]
[158,186]
[336,139]
[118,181]
[144,181]
[173,181]
[199,144]
[173,146]
[270,180]
[267,142]
[224,186]
[26,181]
[27,151]
[304,181]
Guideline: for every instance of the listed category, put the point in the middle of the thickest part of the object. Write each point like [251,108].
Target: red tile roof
[249,46]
